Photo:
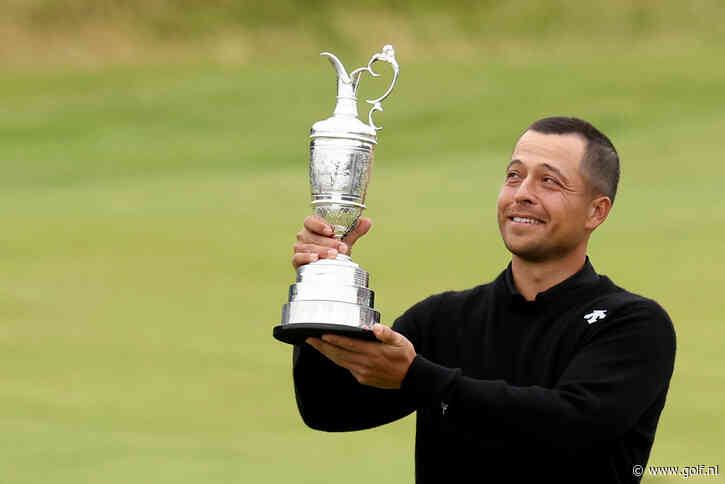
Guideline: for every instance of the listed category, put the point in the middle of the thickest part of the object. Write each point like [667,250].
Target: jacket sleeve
[614,378]
[330,398]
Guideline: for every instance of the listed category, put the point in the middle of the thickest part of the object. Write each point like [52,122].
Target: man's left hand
[371,363]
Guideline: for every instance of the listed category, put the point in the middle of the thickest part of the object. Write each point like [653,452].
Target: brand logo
[595,315]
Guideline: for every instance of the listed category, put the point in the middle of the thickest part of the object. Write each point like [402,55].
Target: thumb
[361,228]
[385,334]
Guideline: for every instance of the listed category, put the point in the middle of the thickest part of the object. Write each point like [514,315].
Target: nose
[524,192]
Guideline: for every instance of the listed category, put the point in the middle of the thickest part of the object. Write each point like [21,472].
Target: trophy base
[295,334]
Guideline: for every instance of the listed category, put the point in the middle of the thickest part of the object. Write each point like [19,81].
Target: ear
[598,210]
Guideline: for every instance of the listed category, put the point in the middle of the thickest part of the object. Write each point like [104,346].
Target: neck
[533,277]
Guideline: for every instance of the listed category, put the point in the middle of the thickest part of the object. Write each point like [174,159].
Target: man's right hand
[315,240]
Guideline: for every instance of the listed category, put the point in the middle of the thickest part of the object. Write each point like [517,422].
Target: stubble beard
[537,251]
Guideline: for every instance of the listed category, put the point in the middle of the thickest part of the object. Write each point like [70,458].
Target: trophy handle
[387,55]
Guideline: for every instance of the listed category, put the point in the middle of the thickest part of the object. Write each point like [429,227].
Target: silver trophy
[332,295]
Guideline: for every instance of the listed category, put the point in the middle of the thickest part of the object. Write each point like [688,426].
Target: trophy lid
[344,126]
[344,122]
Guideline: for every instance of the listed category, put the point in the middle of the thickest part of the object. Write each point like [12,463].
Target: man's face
[544,205]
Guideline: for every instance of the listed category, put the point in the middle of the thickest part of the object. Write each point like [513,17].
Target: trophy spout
[346,88]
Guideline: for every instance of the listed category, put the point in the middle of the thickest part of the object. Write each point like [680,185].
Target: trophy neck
[346,106]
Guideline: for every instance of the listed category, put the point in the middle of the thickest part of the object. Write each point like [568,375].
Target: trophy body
[333,295]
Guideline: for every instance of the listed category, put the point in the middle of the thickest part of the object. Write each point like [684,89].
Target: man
[551,370]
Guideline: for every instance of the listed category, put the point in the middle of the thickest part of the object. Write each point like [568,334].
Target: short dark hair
[600,165]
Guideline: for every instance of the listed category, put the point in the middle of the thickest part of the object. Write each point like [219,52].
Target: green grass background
[148,209]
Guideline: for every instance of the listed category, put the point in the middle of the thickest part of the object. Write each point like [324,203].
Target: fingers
[303,258]
[317,225]
[315,241]
[306,253]
[350,344]
[316,232]
[386,335]
[321,250]
[304,236]
[337,354]
[361,228]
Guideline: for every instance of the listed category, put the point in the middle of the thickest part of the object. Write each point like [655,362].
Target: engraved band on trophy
[333,295]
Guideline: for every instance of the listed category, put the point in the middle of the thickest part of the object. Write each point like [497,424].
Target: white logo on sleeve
[595,315]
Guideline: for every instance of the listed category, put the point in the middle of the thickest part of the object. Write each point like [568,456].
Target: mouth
[525,220]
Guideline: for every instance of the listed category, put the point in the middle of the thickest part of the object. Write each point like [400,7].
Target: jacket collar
[586,276]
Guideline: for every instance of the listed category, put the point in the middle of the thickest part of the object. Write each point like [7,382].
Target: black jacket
[569,386]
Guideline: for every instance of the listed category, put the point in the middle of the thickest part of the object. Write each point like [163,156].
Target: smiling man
[549,371]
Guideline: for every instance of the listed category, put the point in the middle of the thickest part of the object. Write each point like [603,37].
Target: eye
[551,180]
[511,175]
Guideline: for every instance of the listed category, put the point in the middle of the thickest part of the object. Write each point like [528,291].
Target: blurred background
[154,174]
